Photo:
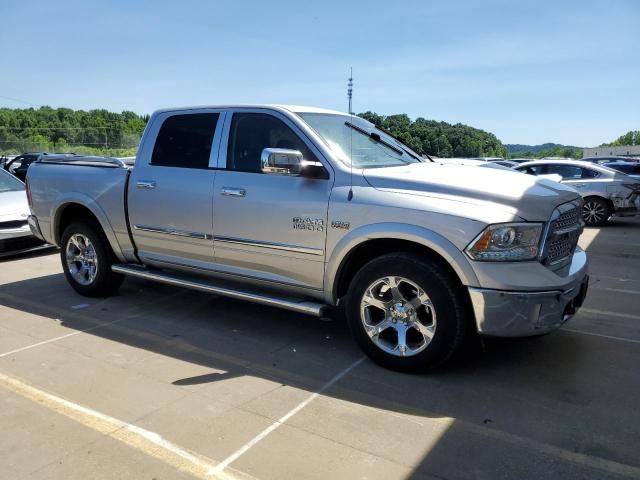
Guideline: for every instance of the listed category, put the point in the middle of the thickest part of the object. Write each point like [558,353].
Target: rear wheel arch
[69,213]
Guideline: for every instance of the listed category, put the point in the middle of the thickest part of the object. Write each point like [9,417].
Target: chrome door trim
[169,231]
[233,192]
[224,140]
[217,137]
[146,184]
[272,245]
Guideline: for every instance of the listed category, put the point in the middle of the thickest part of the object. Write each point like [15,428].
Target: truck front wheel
[86,260]
[406,313]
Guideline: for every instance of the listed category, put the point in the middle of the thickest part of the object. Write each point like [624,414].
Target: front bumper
[34,226]
[505,313]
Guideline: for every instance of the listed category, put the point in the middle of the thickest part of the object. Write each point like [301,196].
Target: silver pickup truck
[317,211]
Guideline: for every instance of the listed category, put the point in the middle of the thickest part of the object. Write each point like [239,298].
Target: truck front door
[268,226]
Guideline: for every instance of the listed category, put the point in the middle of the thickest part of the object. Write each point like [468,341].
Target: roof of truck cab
[291,108]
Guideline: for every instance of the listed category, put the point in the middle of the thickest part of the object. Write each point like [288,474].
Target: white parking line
[591,311]
[618,279]
[611,337]
[77,332]
[148,442]
[618,290]
[220,467]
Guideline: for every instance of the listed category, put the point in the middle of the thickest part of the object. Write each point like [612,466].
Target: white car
[15,234]
[606,192]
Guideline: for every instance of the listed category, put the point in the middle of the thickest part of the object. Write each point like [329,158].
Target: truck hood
[529,197]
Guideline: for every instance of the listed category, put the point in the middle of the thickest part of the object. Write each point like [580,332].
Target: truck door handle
[233,192]
[578,185]
[146,184]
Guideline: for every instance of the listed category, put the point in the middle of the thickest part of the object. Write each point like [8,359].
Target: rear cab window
[185,141]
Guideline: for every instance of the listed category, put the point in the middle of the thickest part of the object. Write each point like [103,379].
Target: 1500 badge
[307,223]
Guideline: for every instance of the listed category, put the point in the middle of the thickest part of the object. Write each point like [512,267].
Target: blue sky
[528,71]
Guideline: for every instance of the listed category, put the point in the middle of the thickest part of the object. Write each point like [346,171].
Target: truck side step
[195,283]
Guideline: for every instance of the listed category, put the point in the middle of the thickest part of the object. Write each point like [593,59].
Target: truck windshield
[9,183]
[354,140]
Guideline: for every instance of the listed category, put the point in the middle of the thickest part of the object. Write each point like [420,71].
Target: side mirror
[284,161]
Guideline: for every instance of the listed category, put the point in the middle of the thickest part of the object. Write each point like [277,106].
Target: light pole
[350,89]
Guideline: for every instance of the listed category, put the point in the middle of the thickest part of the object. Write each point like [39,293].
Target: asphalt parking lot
[163,383]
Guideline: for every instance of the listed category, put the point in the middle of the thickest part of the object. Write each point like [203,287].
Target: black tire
[104,282]
[596,211]
[451,326]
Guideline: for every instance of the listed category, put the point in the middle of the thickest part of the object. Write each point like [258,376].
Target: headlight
[507,242]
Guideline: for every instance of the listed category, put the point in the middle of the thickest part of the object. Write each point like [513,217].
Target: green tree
[438,138]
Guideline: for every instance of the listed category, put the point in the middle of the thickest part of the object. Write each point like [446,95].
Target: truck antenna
[349,95]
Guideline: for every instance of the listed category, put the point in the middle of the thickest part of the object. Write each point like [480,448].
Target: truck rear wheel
[86,260]
[406,314]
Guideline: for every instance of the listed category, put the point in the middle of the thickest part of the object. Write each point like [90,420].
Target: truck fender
[399,231]
[90,204]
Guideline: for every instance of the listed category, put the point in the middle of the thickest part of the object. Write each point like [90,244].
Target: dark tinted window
[628,168]
[253,132]
[588,173]
[572,172]
[532,169]
[185,141]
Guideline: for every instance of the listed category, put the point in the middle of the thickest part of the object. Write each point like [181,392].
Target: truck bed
[96,183]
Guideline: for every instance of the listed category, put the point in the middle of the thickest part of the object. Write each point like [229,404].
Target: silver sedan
[15,234]
[606,192]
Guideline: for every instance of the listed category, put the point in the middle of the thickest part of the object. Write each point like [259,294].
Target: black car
[630,168]
[20,164]
[603,160]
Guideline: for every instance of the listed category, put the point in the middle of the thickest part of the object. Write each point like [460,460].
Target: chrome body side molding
[169,231]
[272,245]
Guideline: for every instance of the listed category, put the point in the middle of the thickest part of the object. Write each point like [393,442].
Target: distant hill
[545,150]
[516,147]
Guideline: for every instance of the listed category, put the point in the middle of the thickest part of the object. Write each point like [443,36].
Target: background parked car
[630,168]
[15,234]
[606,192]
[521,160]
[605,160]
[504,163]
[19,165]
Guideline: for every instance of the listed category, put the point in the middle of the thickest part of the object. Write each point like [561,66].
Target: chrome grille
[567,219]
[564,232]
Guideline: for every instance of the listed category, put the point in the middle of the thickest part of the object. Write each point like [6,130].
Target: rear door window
[185,141]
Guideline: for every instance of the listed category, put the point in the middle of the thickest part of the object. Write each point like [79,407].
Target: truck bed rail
[86,161]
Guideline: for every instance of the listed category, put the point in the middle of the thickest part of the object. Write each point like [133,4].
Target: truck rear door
[171,188]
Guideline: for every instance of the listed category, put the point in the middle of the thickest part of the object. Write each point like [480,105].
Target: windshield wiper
[375,137]
[398,149]
[409,152]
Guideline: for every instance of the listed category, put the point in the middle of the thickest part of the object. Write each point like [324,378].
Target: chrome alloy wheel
[81,259]
[398,316]
[593,212]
